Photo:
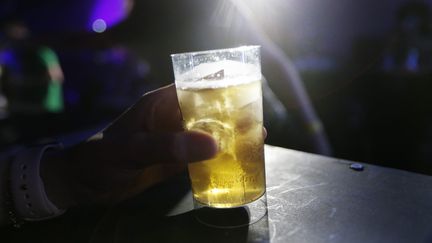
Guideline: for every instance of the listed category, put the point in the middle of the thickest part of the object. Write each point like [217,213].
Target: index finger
[155,111]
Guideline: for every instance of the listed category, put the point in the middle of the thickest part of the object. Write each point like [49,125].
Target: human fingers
[163,110]
[156,111]
[144,149]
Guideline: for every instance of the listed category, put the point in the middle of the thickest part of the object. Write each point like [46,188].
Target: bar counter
[311,198]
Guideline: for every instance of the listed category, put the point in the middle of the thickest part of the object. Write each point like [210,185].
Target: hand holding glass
[220,93]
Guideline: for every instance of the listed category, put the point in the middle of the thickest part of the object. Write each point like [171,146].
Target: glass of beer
[219,93]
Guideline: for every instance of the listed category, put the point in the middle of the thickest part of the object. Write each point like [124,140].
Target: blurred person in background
[31,74]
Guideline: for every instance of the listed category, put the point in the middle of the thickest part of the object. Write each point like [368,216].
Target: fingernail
[194,146]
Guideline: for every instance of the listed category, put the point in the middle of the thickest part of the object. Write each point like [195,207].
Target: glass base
[231,217]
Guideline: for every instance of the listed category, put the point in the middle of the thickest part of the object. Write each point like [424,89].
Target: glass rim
[239,48]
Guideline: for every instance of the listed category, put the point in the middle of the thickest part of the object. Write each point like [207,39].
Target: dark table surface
[310,198]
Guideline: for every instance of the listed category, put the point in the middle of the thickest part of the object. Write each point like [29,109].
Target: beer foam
[235,73]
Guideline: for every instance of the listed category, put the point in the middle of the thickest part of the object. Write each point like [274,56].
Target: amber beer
[233,116]
[219,92]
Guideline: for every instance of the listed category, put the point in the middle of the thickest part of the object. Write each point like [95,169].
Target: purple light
[99,25]
[8,58]
[107,13]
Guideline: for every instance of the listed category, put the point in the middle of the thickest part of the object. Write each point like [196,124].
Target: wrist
[56,180]
[27,188]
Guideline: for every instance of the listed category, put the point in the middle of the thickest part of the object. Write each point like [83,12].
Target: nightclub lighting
[294,81]
[107,13]
[99,26]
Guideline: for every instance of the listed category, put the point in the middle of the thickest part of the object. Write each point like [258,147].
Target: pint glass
[219,93]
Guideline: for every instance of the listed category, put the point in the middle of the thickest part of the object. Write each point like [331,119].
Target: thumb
[144,149]
[192,146]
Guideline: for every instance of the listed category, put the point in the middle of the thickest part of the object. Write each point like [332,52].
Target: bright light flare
[231,13]
[254,14]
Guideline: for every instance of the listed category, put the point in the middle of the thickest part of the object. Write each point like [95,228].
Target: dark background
[365,64]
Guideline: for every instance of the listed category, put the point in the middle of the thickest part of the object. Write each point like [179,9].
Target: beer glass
[219,92]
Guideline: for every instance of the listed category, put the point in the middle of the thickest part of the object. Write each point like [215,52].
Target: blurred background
[346,78]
